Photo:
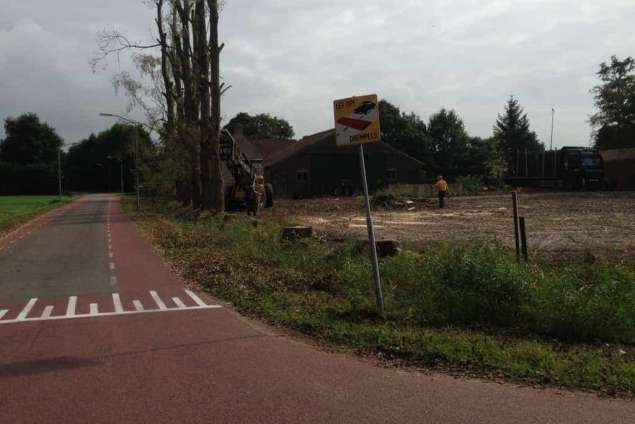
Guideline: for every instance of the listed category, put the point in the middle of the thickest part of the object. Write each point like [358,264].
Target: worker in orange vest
[442,187]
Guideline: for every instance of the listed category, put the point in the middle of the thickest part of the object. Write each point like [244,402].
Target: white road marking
[47,311]
[72,304]
[117,302]
[158,300]
[22,315]
[112,266]
[110,314]
[195,298]
[113,281]
[179,302]
[111,255]
[71,312]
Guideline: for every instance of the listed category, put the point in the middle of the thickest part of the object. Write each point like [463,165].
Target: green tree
[450,144]
[406,132]
[512,131]
[262,125]
[94,163]
[486,161]
[614,123]
[29,141]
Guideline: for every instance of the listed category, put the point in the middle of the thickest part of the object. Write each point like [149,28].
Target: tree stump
[294,233]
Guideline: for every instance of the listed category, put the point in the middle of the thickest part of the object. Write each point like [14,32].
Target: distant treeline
[32,151]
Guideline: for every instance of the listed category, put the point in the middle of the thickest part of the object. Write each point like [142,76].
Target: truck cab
[582,167]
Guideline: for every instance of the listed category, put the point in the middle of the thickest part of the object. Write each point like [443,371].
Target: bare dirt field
[598,222]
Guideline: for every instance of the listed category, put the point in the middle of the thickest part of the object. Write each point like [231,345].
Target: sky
[292,58]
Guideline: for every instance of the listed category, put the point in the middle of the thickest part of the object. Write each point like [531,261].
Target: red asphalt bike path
[212,366]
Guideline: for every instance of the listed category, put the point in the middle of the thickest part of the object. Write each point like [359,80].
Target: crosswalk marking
[195,298]
[22,315]
[47,311]
[117,302]
[72,304]
[158,300]
[178,302]
[71,309]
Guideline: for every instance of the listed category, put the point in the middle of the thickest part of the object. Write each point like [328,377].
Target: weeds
[468,306]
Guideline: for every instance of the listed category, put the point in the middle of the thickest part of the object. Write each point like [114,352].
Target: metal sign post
[371,236]
[357,122]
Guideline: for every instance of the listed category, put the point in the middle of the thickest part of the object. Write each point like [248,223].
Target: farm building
[315,166]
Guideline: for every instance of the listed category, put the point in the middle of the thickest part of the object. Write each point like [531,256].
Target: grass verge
[16,210]
[466,308]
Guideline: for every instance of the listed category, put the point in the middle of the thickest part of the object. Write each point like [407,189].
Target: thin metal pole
[553,113]
[59,173]
[515,212]
[371,236]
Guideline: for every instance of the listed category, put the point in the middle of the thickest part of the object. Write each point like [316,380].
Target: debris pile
[389,201]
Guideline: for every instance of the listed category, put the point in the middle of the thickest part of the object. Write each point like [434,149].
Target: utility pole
[553,113]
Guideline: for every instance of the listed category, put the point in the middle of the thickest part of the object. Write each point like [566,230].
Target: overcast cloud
[291,58]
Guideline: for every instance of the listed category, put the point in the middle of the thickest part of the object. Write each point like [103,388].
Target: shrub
[587,301]
[470,183]
[472,284]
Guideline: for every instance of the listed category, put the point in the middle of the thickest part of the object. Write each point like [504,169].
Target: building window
[391,175]
[303,175]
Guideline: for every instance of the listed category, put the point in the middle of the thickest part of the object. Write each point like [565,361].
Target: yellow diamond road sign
[357,120]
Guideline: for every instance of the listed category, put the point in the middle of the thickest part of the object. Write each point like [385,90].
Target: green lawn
[15,210]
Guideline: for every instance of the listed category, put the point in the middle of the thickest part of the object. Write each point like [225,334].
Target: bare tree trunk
[218,195]
[179,144]
[202,76]
[167,78]
[190,108]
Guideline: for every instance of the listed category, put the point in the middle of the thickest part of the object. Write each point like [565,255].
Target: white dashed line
[112,266]
[113,281]
[111,255]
